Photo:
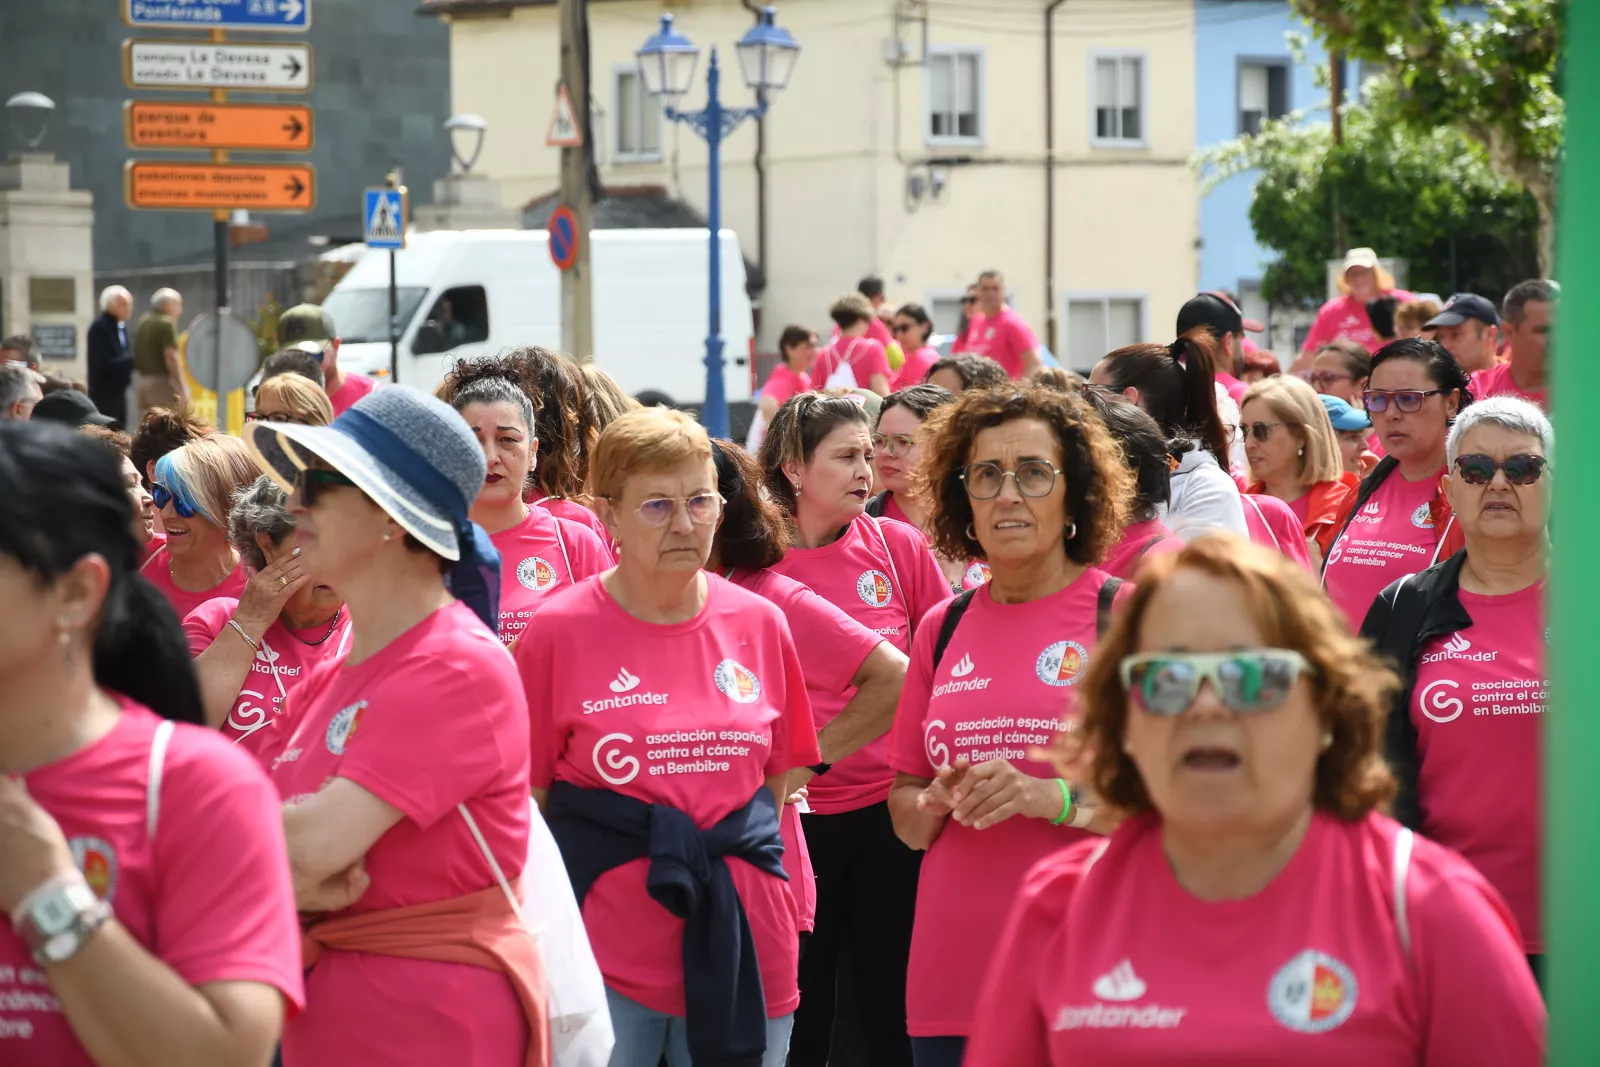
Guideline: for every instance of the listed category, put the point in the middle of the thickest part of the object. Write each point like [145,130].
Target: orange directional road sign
[260,127]
[251,186]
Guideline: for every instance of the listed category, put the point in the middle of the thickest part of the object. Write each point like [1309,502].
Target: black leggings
[856,958]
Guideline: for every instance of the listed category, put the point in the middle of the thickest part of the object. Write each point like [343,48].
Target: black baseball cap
[1461,307]
[1216,311]
[70,408]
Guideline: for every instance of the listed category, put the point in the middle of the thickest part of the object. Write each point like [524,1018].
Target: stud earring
[65,636]
[1327,740]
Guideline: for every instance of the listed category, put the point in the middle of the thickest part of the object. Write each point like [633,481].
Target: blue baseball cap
[1343,416]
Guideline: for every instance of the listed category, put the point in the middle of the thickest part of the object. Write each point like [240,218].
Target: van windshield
[363,314]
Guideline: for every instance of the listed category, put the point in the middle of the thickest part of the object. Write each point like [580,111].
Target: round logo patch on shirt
[1422,519]
[1061,663]
[976,575]
[874,589]
[1312,993]
[98,861]
[343,727]
[739,683]
[938,751]
[609,760]
[1437,703]
[536,573]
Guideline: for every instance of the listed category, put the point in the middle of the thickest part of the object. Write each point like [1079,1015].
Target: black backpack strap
[877,504]
[952,619]
[1102,612]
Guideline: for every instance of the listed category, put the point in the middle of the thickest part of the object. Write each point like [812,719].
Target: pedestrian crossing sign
[384,218]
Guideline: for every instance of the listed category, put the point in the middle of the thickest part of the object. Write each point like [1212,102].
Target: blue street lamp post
[767,56]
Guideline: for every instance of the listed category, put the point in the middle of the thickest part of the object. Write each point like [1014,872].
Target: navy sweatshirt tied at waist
[725,1006]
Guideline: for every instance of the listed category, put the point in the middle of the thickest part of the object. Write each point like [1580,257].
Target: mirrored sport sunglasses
[1248,681]
[308,481]
[164,496]
[1406,400]
[1522,469]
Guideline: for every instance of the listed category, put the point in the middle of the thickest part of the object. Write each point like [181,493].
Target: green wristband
[1066,803]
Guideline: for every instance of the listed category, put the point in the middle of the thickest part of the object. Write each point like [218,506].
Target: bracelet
[252,642]
[1082,816]
[1066,802]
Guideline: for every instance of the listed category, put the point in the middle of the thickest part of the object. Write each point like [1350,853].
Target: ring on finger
[283,580]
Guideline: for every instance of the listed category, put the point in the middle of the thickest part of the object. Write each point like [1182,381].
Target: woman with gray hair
[1470,637]
[251,652]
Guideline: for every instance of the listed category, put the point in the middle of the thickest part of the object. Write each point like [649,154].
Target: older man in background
[19,390]
[110,361]
[157,366]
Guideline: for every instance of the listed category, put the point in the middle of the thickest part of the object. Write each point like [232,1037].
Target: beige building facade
[910,143]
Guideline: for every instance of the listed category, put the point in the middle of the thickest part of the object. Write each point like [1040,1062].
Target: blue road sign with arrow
[384,218]
[291,15]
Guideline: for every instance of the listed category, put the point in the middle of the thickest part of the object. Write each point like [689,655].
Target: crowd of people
[974,712]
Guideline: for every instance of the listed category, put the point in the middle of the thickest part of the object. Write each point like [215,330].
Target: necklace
[336,617]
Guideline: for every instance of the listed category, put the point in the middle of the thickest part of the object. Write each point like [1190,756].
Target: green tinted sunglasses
[1248,681]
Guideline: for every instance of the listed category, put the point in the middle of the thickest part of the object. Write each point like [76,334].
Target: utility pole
[577,284]
[1336,107]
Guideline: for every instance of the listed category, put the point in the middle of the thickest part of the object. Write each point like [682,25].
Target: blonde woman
[607,400]
[193,489]
[1294,456]
[291,398]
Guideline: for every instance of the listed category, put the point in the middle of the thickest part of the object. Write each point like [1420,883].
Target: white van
[464,293]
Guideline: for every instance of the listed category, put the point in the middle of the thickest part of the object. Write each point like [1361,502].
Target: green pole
[1572,730]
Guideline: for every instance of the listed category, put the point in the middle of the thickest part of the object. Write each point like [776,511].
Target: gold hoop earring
[972,534]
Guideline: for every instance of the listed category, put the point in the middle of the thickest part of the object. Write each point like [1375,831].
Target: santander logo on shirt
[623,685]
[962,683]
[1457,647]
[1121,986]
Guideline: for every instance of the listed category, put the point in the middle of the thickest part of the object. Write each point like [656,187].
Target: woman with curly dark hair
[1028,480]
[1253,896]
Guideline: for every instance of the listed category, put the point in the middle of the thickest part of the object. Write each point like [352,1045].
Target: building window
[955,95]
[1118,96]
[637,119]
[1263,94]
[1100,324]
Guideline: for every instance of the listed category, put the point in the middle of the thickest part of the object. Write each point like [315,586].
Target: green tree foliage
[1430,197]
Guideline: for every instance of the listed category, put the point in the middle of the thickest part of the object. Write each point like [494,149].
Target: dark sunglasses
[969,300]
[902,327]
[1261,431]
[1248,681]
[1522,469]
[309,480]
[276,416]
[1406,400]
[164,496]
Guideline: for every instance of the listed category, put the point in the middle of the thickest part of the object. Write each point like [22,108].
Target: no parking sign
[564,237]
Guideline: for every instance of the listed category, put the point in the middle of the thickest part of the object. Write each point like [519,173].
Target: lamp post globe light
[667,61]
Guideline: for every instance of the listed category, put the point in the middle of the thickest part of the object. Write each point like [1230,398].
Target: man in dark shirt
[110,361]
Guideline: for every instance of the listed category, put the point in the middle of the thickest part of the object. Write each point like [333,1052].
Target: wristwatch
[819,769]
[56,923]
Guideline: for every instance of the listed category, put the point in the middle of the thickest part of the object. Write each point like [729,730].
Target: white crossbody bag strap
[1403,843]
[158,761]
[494,865]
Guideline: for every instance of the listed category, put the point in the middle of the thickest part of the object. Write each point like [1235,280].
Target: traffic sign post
[563,131]
[565,237]
[221,186]
[274,68]
[384,210]
[258,127]
[221,352]
[293,16]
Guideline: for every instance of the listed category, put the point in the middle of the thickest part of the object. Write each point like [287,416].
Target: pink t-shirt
[1300,505]
[839,645]
[157,570]
[434,719]
[540,554]
[1345,316]
[157,542]
[1003,690]
[1390,536]
[1478,707]
[354,387]
[1140,540]
[1003,339]
[1273,524]
[694,715]
[783,383]
[1232,386]
[573,511]
[862,356]
[915,369]
[1497,381]
[886,582]
[286,658]
[212,912]
[1112,961]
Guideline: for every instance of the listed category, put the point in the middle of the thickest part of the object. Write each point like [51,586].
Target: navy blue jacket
[596,829]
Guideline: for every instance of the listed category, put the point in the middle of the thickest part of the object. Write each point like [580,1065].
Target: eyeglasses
[1406,400]
[1522,469]
[310,481]
[897,445]
[969,300]
[1327,377]
[903,327]
[1034,477]
[164,496]
[1261,431]
[274,416]
[1248,681]
[703,509]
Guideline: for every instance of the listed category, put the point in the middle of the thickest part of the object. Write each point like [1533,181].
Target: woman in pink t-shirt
[1029,481]
[1466,730]
[1148,456]
[797,349]
[1295,457]
[130,935]
[896,453]
[406,777]
[912,328]
[144,509]
[817,464]
[1254,908]
[539,552]
[854,360]
[1345,316]
[251,653]
[194,487]
[668,710]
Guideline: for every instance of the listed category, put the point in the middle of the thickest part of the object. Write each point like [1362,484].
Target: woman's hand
[939,797]
[33,849]
[268,590]
[993,792]
[336,892]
